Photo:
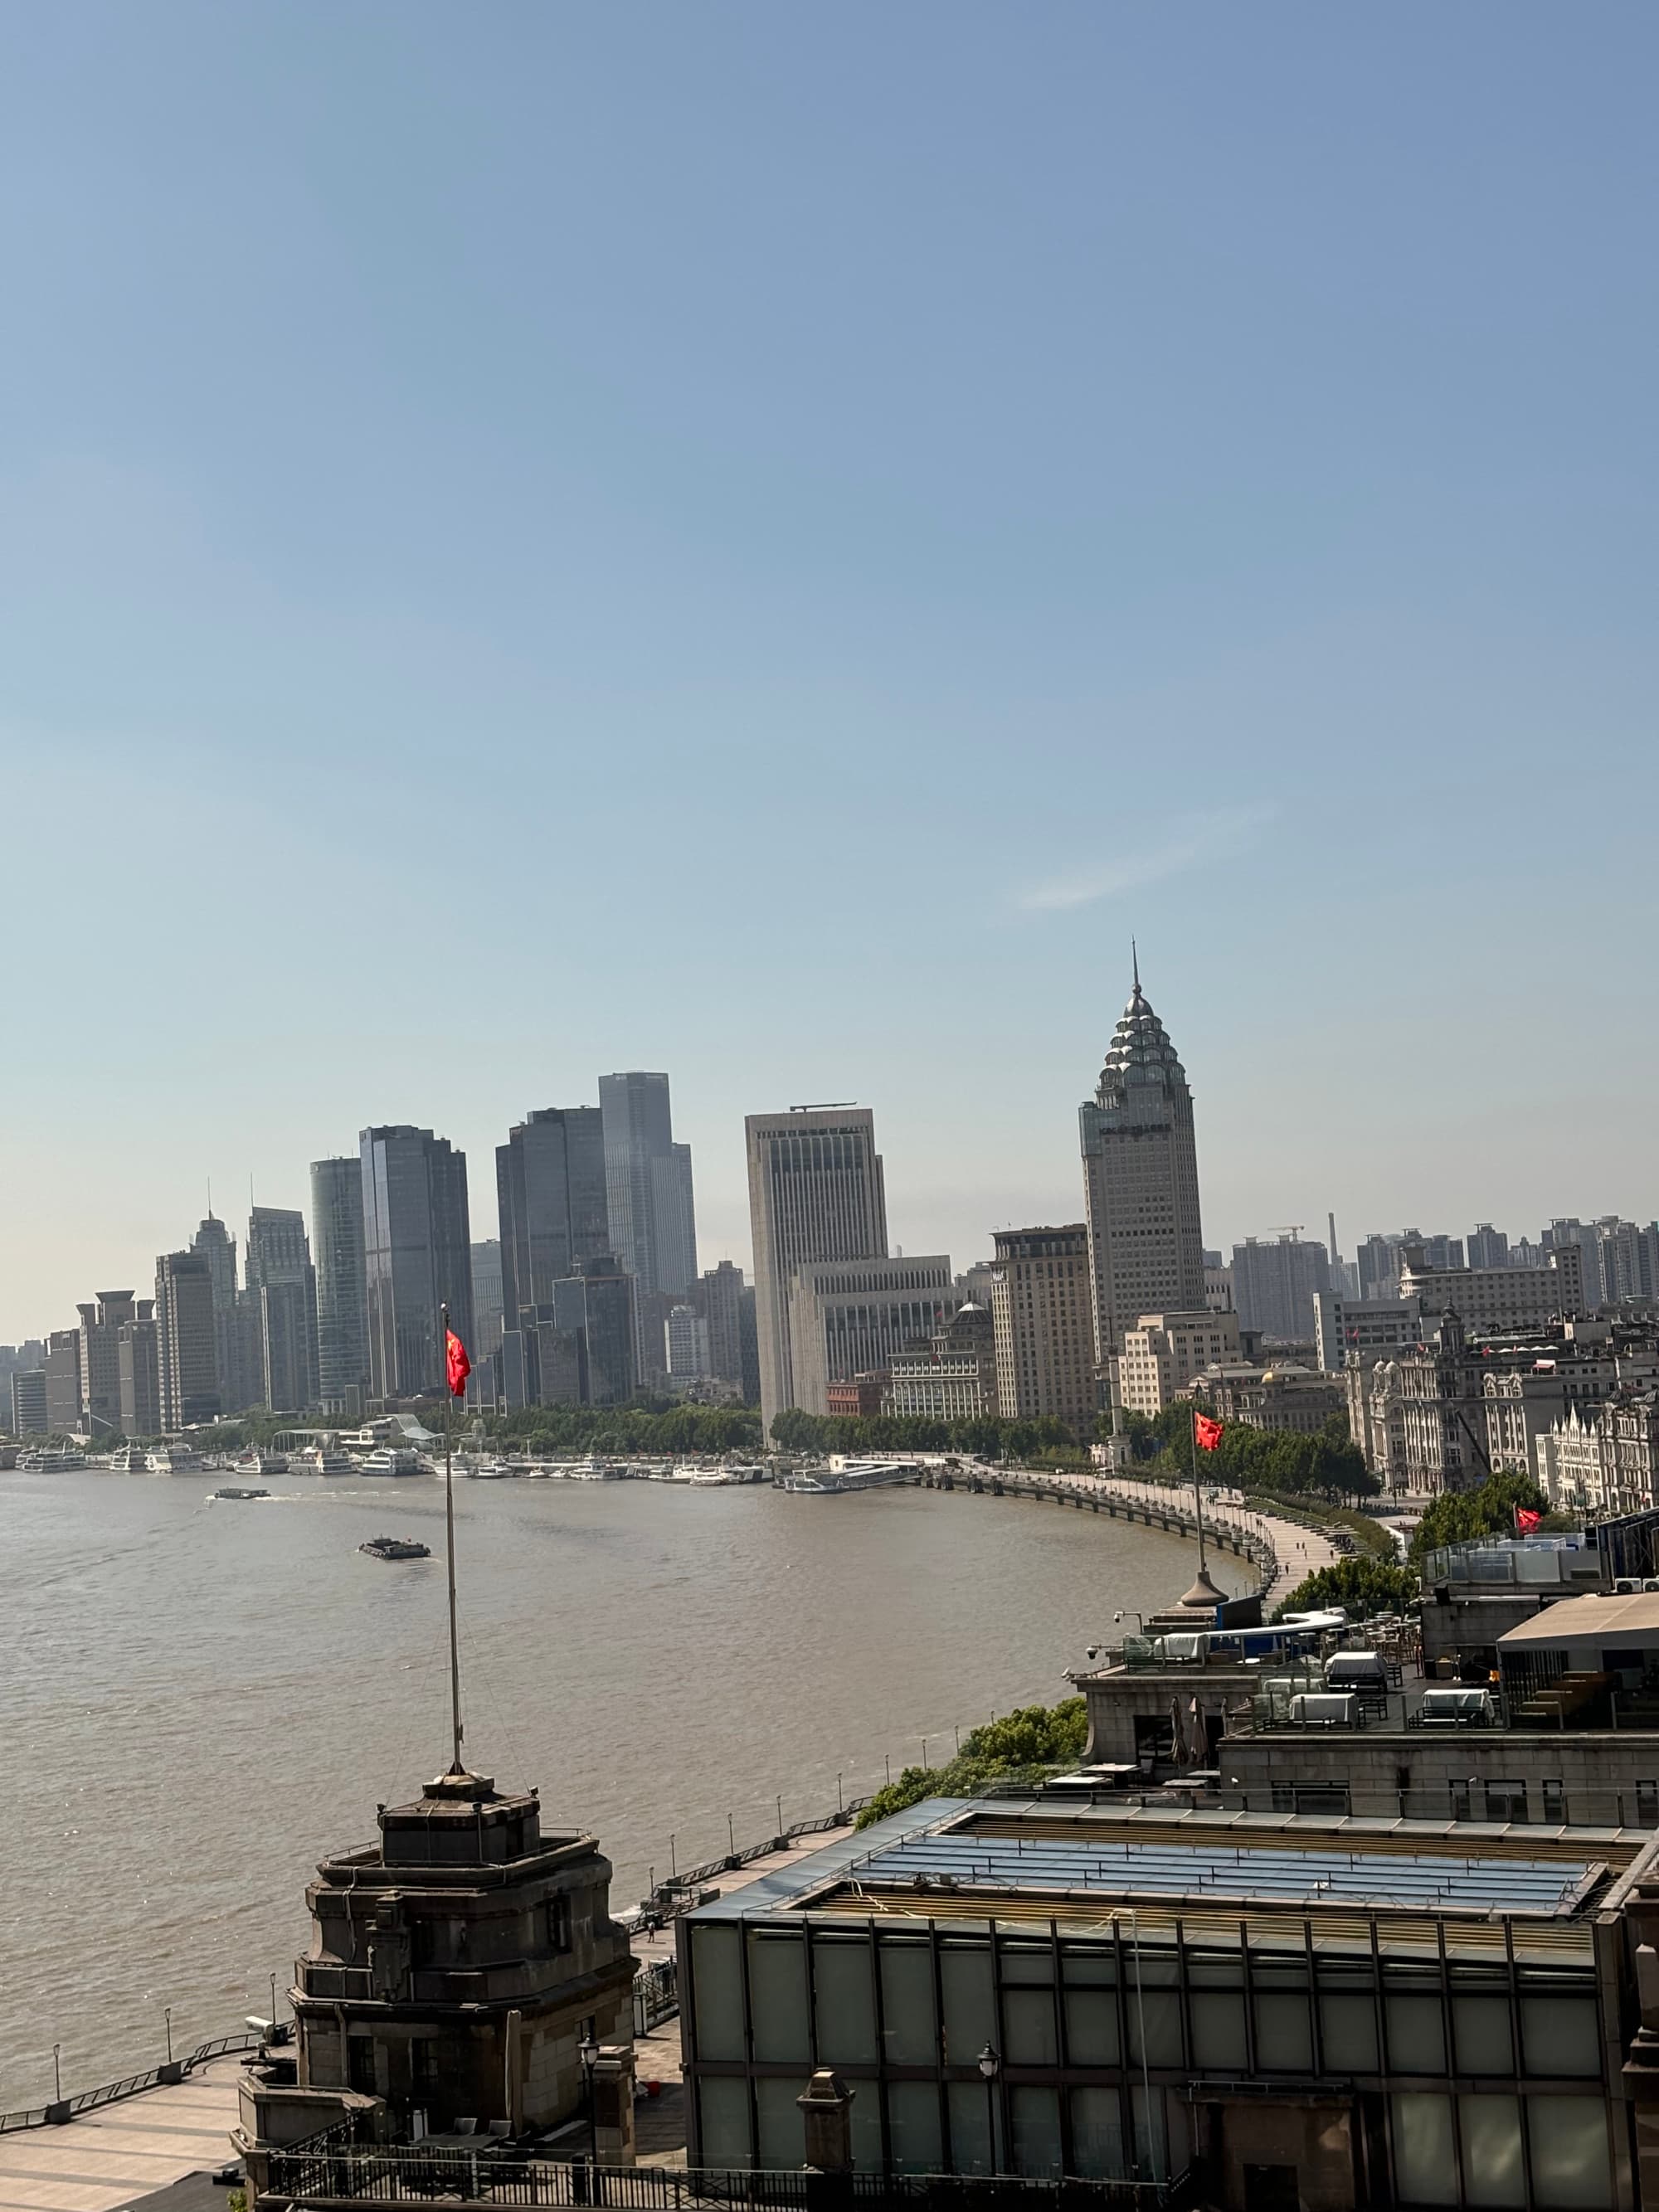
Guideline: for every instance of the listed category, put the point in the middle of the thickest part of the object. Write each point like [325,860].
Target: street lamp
[166,2015]
[56,2076]
[588,2052]
[990,2065]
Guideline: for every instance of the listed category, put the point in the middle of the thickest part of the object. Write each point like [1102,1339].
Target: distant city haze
[767,550]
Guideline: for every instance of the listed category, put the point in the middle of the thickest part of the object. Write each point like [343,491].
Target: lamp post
[56,2076]
[990,2065]
[166,2015]
[731,1838]
[589,2050]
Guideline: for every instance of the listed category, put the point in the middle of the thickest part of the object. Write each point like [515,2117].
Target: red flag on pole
[1525,1521]
[459,1365]
[1206,1433]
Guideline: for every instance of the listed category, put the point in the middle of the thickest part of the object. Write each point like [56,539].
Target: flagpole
[1198,1490]
[449,1520]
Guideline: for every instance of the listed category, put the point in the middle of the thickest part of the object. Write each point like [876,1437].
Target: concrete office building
[139,1373]
[63,1372]
[282,1291]
[1042,1306]
[1163,1354]
[186,1335]
[417,1257]
[1487,1300]
[1381,1258]
[337,1231]
[28,1402]
[1218,1284]
[850,1317]
[648,1185]
[686,1343]
[217,1248]
[612,1328]
[1274,1286]
[488,1310]
[1141,1183]
[953,1375]
[1370,1328]
[815,1193]
[719,1297]
[551,1197]
[100,1362]
[1486,1247]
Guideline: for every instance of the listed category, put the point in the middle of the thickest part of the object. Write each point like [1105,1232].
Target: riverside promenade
[103,2159]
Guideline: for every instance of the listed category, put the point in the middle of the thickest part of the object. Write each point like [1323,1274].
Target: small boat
[390,1461]
[240,1493]
[489,1470]
[173,1459]
[595,1470]
[395,1547]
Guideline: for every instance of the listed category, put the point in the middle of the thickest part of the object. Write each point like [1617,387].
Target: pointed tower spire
[1134,962]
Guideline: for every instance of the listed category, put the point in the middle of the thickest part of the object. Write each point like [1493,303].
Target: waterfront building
[857,1397]
[1164,1353]
[1274,1284]
[649,1184]
[1602,1459]
[849,1317]
[29,1417]
[1042,1308]
[1488,1300]
[186,1338]
[488,1310]
[1368,1328]
[139,1374]
[417,1257]
[550,1194]
[99,1362]
[686,1343]
[952,1378]
[282,1291]
[815,1195]
[337,1230]
[1141,1183]
[63,1372]
[1285,2011]
[1284,1396]
[215,1245]
[720,1298]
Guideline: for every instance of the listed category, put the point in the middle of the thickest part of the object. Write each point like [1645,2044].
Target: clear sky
[766,541]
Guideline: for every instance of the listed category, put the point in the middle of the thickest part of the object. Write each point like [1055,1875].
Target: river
[199,1699]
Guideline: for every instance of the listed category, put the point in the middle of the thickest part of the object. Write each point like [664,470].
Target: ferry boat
[489,1470]
[173,1459]
[52,1462]
[844,1474]
[261,1462]
[390,1461]
[595,1470]
[131,1459]
[322,1459]
[239,1494]
[395,1547]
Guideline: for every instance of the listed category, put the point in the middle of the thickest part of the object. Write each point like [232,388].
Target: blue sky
[766,542]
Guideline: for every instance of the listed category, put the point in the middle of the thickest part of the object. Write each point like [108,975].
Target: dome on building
[1140,1051]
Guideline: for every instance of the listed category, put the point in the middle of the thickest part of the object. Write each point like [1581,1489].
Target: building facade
[1164,1353]
[1602,1459]
[1042,1308]
[551,1196]
[1141,1183]
[1368,1328]
[487,1305]
[815,1195]
[100,1361]
[1274,1286]
[282,1288]
[186,1338]
[952,1378]
[718,1298]
[649,1184]
[850,1317]
[1490,1299]
[336,1231]
[215,1245]
[140,1381]
[417,1257]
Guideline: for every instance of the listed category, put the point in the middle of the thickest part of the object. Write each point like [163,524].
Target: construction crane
[1286,1228]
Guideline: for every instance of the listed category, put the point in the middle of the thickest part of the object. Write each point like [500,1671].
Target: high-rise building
[1274,1286]
[816,1192]
[649,1184]
[1043,1309]
[101,1322]
[1141,1183]
[486,1298]
[336,1232]
[140,1373]
[217,1247]
[1163,1354]
[718,1298]
[685,1342]
[282,1286]
[28,1402]
[612,1331]
[1487,1247]
[186,1331]
[62,1369]
[848,1317]
[551,1193]
[417,1257]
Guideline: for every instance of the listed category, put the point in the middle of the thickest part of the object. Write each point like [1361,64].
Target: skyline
[769,546]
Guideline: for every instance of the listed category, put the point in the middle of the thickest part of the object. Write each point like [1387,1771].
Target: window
[557,1911]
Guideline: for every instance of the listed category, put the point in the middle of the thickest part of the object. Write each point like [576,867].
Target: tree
[1362,1587]
[1458,1516]
[1026,1744]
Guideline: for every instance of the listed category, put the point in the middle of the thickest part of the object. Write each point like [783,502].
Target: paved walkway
[108,2158]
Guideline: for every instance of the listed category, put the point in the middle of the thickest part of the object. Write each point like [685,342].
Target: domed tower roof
[1140,1051]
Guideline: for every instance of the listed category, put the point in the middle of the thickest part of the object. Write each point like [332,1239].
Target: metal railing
[409,2173]
[656,1994]
[132,2085]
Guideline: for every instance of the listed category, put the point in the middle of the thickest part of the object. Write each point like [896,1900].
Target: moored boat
[395,1547]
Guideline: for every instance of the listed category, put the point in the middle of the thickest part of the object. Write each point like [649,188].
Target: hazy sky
[765,541]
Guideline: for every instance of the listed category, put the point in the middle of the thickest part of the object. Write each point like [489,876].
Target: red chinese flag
[1526,1521]
[1206,1432]
[459,1365]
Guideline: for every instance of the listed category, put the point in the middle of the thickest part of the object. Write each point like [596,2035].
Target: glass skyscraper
[417,1257]
[337,1236]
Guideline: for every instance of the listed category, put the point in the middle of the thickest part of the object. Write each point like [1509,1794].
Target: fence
[112,2092]
[656,1994]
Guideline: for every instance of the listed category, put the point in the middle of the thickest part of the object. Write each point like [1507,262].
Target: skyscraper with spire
[1140,1181]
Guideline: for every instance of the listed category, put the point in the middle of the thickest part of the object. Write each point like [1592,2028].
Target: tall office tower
[551,1193]
[28,1402]
[648,1185]
[1274,1286]
[187,1334]
[1141,1183]
[718,1298]
[417,1257]
[685,1341]
[101,1361]
[608,1292]
[815,1193]
[749,1322]
[63,1368]
[282,1286]
[217,1247]
[1042,1310]
[486,1298]
[1487,1247]
[337,1235]
[140,1376]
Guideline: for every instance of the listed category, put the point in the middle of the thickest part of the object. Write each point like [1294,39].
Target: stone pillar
[612,2091]
[826,2109]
